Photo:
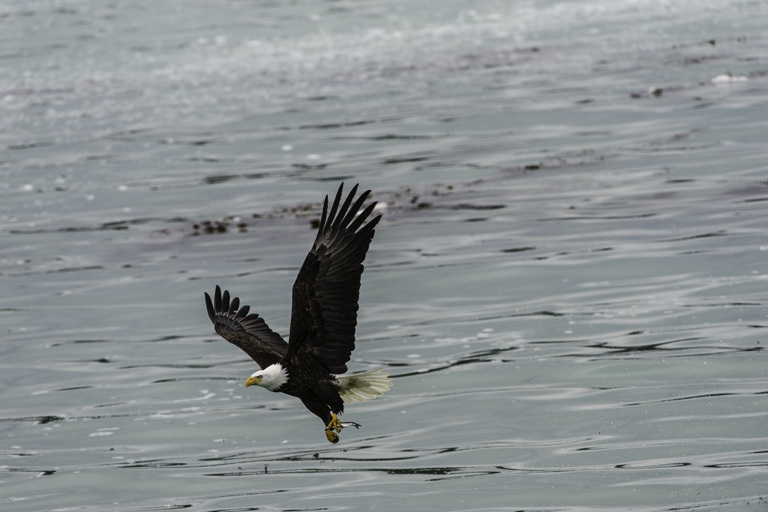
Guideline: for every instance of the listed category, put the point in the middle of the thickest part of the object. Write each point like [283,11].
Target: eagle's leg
[335,424]
[334,427]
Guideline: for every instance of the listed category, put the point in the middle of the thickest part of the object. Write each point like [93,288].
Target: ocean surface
[569,284]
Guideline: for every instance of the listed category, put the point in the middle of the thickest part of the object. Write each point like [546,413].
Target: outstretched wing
[249,332]
[326,291]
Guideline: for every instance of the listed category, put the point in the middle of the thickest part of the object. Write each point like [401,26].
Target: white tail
[363,386]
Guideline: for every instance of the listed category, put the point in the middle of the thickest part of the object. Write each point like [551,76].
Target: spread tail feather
[363,386]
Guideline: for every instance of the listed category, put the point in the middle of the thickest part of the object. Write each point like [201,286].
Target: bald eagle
[323,321]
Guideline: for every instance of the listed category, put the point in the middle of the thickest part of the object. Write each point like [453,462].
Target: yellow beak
[252,381]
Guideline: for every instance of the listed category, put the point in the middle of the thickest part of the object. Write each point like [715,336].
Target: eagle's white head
[271,377]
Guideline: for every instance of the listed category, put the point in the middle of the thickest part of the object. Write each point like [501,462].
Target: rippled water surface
[569,283]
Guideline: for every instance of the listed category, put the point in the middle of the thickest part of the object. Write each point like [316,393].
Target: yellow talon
[334,423]
[332,429]
[331,435]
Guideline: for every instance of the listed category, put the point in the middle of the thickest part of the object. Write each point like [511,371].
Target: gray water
[569,283]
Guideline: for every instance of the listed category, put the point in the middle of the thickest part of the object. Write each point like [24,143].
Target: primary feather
[327,289]
[249,332]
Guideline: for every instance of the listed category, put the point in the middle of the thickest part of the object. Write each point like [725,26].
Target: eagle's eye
[254,380]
